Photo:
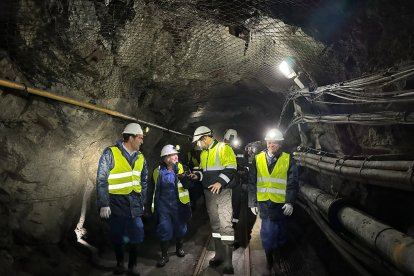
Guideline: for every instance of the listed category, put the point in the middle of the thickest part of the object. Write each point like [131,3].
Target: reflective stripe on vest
[214,164]
[272,186]
[183,194]
[122,179]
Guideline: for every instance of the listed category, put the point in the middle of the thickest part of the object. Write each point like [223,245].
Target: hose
[49,95]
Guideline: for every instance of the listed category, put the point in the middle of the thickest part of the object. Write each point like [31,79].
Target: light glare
[286,70]
[235,143]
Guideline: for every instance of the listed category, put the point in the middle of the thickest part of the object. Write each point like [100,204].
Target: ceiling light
[235,143]
[286,69]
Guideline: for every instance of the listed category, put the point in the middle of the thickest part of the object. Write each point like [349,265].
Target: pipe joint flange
[410,174]
[333,210]
[24,90]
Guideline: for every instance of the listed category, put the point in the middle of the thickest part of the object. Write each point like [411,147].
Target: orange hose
[43,93]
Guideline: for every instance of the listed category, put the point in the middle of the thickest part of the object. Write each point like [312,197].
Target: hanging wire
[363,91]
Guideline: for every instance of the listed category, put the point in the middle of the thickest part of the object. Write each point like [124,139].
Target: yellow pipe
[49,95]
[42,93]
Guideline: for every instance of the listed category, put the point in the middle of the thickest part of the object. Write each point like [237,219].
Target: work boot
[179,248]
[269,263]
[228,261]
[119,254]
[164,254]
[219,253]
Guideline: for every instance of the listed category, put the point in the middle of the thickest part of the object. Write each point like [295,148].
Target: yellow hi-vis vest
[183,194]
[218,158]
[122,178]
[272,186]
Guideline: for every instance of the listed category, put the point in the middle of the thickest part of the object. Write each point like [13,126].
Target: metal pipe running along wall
[391,174]
[49,95]
[394,246]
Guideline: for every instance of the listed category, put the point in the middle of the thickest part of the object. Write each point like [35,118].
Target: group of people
[122,194]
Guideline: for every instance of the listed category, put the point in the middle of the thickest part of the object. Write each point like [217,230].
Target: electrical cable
[355,93]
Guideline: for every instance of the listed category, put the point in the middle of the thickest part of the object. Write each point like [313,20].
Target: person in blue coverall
[273,186]
[121,185]
[171,204]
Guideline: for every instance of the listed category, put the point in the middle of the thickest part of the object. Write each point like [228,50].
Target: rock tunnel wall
[177,65]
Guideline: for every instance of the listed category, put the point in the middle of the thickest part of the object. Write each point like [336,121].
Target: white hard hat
[200,132]
[274,135]
[230,132]
[133,128]
[167,150]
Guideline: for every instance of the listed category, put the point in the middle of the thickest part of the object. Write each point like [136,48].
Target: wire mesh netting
[113,43]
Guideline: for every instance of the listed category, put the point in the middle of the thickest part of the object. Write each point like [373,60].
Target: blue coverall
[172,215]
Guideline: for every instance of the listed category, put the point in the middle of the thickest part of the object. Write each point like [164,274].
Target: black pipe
[394,246]
[402,180]
[396,165]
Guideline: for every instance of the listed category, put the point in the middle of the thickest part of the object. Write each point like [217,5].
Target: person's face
[137,141]
[202,143]
[273,146]
[171,159]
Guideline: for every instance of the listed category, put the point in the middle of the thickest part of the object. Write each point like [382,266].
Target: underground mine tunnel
[93,91]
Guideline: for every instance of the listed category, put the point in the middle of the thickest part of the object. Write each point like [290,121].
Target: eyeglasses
[273,142]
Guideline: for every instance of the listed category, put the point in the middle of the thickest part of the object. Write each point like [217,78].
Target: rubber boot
[132,262]
[164,254]
[219,253]
[119,254]
[236,243]
[269,263]
[179,248]
[228,261]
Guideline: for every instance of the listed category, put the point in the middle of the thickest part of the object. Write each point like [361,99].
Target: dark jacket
[242,166]
[131,205]
[241,159]
[167,200]
[269,209]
